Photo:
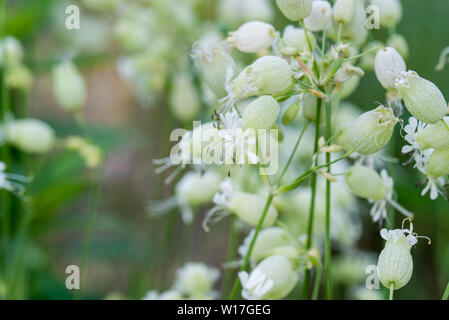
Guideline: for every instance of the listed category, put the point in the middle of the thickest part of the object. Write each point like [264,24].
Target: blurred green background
[131,254]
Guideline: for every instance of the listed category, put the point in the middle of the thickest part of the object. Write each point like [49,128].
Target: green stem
[309,44]
[363,53]
[391,291]
[292,155]
[89,227]
[264,213]
[305,290]
[230,256]
[251,246]
[446,293]
[328,248]
[316,285]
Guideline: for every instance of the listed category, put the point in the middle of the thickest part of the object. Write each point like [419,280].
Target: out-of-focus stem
[328,248]
[306,287]
[89,227]
[446,293]
[230,256]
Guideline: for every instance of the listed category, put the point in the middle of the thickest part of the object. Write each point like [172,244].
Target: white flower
[319,17]
[379,209]
[221,201]
[196,279]
[255,285]
[434,186]
[252,37]
[412,237]
[237,143]
[420,156]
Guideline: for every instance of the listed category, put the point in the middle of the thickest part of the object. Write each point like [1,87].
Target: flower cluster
[300,77]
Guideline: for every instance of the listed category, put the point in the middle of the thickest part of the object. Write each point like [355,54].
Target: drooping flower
[395,265]
[366,183]
[247,206]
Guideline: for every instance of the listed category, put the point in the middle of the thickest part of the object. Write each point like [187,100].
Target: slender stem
[299,180]
[292,155]
[340,26]
[323,50]
[305,290]
[230,256]
[391,291]
[316,285]
[89,227]
[363,53]
[251,246]
[309,44]
[328,248]
[446,293]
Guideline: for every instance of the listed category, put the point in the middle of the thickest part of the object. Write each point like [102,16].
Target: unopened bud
[388,66]
[422,98]
[290,114]
[295,10]
[69,87]
[252,37]
[261,113]
[365,183]
[268,75]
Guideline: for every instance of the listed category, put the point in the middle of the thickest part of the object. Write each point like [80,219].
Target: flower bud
[11,51]
[184,100]
[343,11]
[30,135]
[249,208]
[195,278]
[290,114]
[296,38]
[390,12]
[388,65]
[213,62]
[268,75]
[365,183]
[373,130]
[252,37]
[69,87]
[438,164]
[434,136]
[422,98]
[309,104]
[319,17]
[272,279]
[295,10]
[400,44]
[196,188]
[395,264]
[261,113]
